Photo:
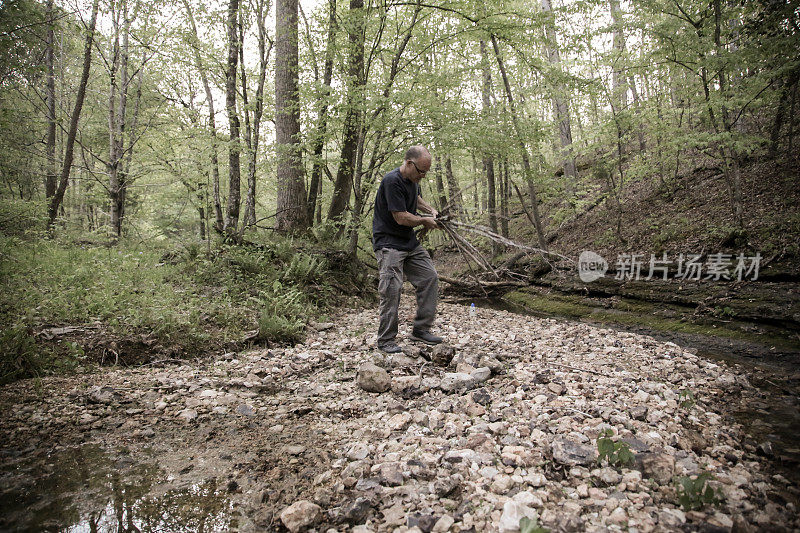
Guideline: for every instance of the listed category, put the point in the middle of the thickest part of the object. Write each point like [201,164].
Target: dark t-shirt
[394,194]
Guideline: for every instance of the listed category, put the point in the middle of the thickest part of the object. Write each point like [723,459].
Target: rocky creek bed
[332,435]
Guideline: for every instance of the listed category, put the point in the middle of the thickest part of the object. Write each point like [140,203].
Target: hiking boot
[425,336]
[390,347]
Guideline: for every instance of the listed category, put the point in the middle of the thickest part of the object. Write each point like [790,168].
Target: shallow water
[91,489]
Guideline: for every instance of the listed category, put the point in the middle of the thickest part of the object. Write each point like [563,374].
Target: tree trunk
[440,183]
[619,86]
[789,84]
[234,169]
[456,200]
[219,222]
[58,197]
[253,136]
[526,162]
[315,186]
[50,181]
[735,174]
[355,86]
[488,160]
[292,216]
[117,117]
[504,196]
[560,106]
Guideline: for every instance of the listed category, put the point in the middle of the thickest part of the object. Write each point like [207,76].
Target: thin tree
[352,124]
[212,127]
[50,181]
[560,105]
[526,162]
[58,197]
[315,186]
[488,160]
[234,169]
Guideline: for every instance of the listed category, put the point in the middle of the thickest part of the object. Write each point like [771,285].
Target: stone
[482,397]
[424,521]
[300,515]
[570,452]
[442,354]
[407,386]
[356,511]
[246,410]
[488,472]
[618,516]
[399,422]
[659,466]
[457,382]
[373,378]
[358,451]
[443,524]
[391,474]
[187,414]
[513,512]
[481,374]
[671,518]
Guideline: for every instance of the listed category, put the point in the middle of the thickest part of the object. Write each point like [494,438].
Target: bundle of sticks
[446,221]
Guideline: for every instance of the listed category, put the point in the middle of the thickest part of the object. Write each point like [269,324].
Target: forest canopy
[126,117]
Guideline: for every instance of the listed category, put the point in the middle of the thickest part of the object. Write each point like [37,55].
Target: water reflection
[88,490]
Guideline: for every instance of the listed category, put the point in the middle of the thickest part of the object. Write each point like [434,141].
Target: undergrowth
[180,299]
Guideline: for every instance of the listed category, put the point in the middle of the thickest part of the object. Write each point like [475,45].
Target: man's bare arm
[404,218]
[425,206]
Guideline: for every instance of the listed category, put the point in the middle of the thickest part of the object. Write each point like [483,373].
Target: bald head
[417,153]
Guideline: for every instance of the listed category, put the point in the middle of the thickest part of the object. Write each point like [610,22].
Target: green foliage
[694,494]
[528,525]
[21,218]
[186,300]
[304,269]
[686,399]
[18,355]
[283,314]
[615,453]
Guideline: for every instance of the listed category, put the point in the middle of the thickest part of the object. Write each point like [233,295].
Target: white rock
[399,422]
[457,381]
[513,512]
[300,515]
[481,374]
[618,516]
[187,414]
[443,524]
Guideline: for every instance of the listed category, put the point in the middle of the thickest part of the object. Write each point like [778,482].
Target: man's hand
[429,222]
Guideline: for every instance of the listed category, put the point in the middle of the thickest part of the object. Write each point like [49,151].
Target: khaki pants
[419,270]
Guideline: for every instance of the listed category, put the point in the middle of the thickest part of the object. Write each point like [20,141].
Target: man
[398,251]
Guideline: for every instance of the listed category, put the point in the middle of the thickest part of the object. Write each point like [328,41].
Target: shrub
[615,453]
[694,494]
[18,356]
